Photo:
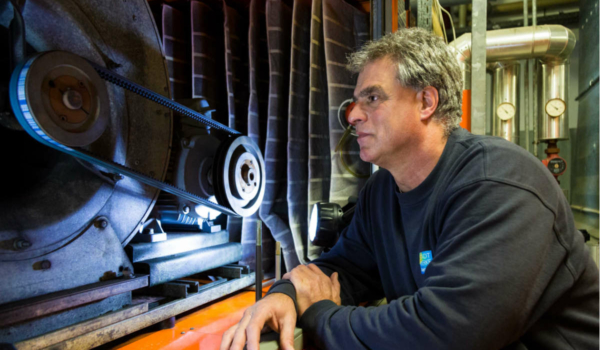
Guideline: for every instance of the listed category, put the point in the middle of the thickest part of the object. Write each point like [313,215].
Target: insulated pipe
[550,43]
[506,111]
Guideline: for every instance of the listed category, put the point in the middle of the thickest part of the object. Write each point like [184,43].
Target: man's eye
[373,98]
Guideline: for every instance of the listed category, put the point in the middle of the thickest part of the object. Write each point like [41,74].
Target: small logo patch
[425,258]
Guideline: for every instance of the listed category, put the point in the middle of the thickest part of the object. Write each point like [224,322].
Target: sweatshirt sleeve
[352,259]
[496,253]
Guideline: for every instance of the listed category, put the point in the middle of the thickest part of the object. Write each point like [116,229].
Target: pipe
[518,6]
[534,101]
[462,16]
[526,80]
[505,92]
[550,43]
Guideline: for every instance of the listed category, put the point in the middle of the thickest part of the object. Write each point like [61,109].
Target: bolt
[117,177]
[137,162]
[45,264]
[72,99]
[101,223]
[182,332]
[185,209]
[63,118]
[191,329]
[20,244]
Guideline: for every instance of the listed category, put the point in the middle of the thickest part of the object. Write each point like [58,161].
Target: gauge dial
[556,107]
[506,111]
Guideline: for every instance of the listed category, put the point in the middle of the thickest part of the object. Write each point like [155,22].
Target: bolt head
[20,244]
[185,209]
[45,265]
[101,223]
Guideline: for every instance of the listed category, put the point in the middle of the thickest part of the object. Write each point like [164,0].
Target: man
[468,237]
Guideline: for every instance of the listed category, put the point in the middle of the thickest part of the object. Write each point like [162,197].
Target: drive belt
[22,111]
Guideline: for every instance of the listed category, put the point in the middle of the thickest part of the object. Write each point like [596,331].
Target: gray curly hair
[422,59]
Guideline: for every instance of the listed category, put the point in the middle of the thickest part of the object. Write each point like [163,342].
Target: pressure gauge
[506,111]
[556,107]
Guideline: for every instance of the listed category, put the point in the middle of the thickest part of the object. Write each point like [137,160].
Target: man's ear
[428,98]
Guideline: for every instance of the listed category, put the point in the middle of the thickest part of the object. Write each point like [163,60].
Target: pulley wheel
[65,96]
[239,175]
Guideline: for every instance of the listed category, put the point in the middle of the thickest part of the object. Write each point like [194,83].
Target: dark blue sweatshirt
[483,254]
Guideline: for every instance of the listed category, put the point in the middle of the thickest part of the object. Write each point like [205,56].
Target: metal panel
[584,183]
[65,268]
[478,67]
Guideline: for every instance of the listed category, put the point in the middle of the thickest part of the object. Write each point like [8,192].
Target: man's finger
[254,328]
[286,333]
[337,288]
[228,337]
[239,338]
[335,281]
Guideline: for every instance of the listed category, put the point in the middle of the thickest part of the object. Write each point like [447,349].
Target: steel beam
[47,304]
[478,67]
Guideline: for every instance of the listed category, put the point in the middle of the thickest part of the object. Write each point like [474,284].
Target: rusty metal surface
[153,316]
[78,329]
[47,304]
[50,323]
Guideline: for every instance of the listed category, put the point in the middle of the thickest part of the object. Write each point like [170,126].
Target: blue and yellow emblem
[425,258]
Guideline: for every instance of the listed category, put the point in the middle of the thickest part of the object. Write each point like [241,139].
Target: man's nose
[356,115]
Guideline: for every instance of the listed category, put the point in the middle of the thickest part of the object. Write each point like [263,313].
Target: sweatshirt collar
[424,189]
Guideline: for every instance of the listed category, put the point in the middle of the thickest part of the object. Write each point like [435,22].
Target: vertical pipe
[534,118]
[505,110]
[277,261]
[478,67]
[258,272]
[376,19]
[525,76]
[552,88]
[462,16]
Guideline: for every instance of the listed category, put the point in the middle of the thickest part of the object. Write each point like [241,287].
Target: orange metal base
[202,329]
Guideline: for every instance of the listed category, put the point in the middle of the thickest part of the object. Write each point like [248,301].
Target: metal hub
[239,175]
[67,98]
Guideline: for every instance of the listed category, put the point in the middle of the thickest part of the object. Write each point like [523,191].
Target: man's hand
[276,311]
[313,285]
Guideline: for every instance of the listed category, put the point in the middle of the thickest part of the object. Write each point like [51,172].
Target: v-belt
[23,114]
